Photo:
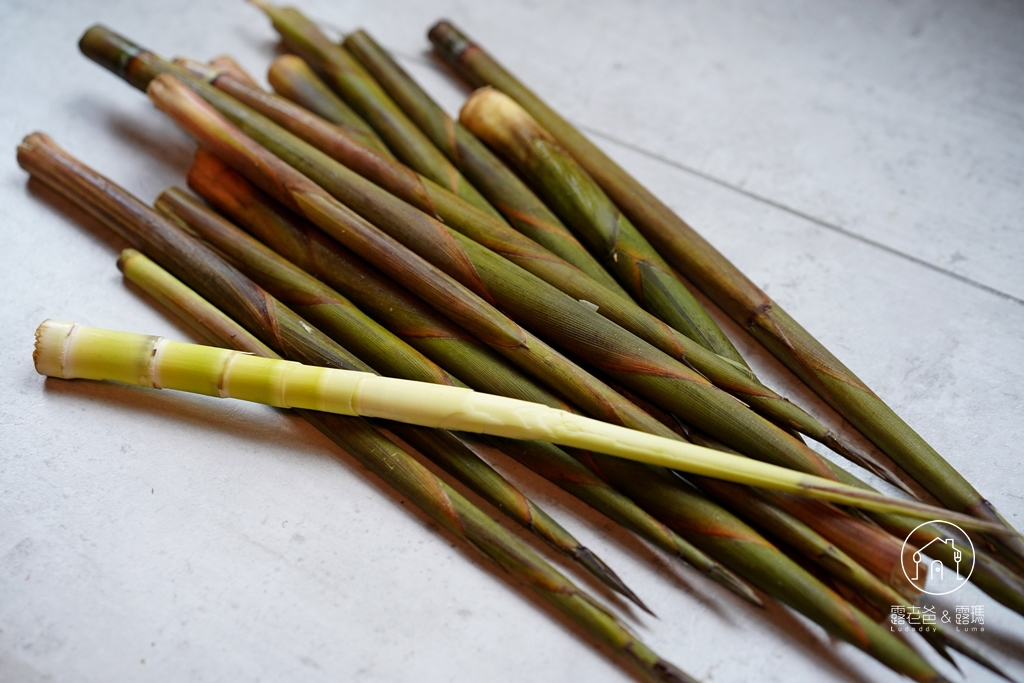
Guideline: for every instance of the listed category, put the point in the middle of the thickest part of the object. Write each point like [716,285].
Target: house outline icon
[935,567]
[953,548]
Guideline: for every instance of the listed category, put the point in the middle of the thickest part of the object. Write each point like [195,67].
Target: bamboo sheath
[516,202]
[871,546]
[874,548]
[355,86]
[989,574]
[291,77]
[497,236]
[279,328]
[794,533]
[740,298]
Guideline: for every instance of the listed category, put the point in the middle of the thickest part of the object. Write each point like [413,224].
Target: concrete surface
[860,161]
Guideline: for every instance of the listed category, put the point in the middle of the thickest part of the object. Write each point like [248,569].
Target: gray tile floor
[860,161]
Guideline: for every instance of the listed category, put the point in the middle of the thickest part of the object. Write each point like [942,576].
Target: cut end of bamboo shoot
[108,49]
[48,355]
[285,69]
[496,118]
[448,40]
[29,145]
[72,351]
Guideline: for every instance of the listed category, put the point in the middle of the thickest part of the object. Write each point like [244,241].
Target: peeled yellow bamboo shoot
[73,351]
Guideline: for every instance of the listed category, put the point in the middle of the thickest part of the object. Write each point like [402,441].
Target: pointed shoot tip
[735,584]
[596,566]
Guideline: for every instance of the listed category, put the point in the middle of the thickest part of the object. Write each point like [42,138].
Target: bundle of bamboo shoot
[361,252]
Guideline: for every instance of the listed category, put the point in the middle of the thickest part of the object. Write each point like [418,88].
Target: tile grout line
[770,202]
[805,216]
